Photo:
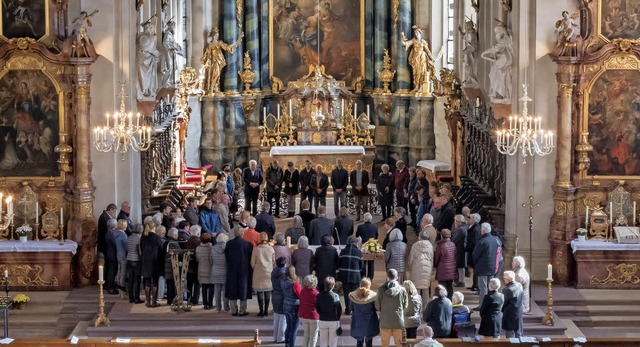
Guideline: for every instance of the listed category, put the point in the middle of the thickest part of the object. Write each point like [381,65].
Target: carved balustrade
[162,112]
[156,165]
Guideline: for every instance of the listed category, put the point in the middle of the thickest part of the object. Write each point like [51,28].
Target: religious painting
[25,18]
[614,124]
[303,33]
[619,19]
[29,124]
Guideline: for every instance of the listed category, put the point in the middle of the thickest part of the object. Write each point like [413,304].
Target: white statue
[470,54]
[147,58]
[501,58]
[169,50]
[566,29]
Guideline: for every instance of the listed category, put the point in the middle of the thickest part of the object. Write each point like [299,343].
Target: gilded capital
[566,89]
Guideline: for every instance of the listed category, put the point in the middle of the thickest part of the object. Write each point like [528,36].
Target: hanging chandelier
[123,132]
[525,134]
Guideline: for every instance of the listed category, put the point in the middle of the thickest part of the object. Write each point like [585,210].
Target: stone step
[608,321]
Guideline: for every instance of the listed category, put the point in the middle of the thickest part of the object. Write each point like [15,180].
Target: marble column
[230,34]
[403,75]
[422,138]
[380,37]
[213,135]
[565,147]
[369,73]
[252,38]
[264,46]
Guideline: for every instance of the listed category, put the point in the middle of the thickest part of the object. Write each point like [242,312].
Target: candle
[290,109]
[138,119]
[611,212]
[634,213]
[0,204]
[368,112]
[264,115]
[100,273]
[6,273]
[586,217]
[61,216]
[9,202]
[278,111]
[342,108]
[478,102]
[355,110]
[107,120]
[37,212]
[549,272]
[288,241]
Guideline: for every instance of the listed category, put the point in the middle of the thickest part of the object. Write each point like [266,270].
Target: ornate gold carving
[27,275]
[248,105]
[593,201]
[560,263]
[583,149]
[276,85]
[591,68]
[22,62]
[622,62]
[247,75]
[566,89]
[386,74]
[22,43]
[356,85]
[239,11]
[561,208]
[396,7]
[619,274]
[625,45]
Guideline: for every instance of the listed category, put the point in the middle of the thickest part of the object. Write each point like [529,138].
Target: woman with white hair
[491,310]
[522,277]
[396,249]
[296,230]
[302,258]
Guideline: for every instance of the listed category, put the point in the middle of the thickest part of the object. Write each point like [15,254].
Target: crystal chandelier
[525,134]
[123,132]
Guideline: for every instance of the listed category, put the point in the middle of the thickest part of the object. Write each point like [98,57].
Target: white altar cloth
[39,246]
[599,245]
[434,165]
[301,150]
[337,247]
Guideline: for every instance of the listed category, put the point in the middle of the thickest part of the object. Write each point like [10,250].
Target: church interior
[146,107]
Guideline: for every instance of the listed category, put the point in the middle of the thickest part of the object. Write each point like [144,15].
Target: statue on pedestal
[147,58]
[213,61]
[420,60]
[470,54]
[501,58]
[79,30]
[169,50]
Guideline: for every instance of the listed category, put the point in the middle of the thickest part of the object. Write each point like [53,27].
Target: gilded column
[82,143]
[564,147]
[380,37]
[403,76]
[230,35]
[252,37]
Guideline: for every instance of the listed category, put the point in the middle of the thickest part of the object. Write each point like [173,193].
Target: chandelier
[123,132]
[525,134]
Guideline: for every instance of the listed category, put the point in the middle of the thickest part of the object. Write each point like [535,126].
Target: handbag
[339,331]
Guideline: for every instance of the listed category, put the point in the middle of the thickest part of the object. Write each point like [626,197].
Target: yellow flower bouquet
[372,247]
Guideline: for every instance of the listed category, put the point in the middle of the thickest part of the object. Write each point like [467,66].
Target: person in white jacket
[420,263]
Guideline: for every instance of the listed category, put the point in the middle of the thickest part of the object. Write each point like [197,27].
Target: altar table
[38,265]
[324,155]
[601,264]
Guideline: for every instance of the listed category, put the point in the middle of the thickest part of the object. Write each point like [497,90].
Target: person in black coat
[512,308]
[239,274]
[264,220]
[306,215]
[343,227]
[443,218]
[484,258]
[350,270]
[366,231]
[252,177]
[306,191]
[384,185]
[125,213]
[339,182]
[274,179]
[152,266]
[491,311]
[108,213]
[359,179]
[291,188]
[459,237]
[438,313]
[319,185]
[473,235]
[326,260]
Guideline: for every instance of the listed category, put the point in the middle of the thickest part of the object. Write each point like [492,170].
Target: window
[450,32]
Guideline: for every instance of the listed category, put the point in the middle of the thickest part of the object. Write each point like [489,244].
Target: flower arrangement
[23,230]
[581,232]
[21,299]
[372,247]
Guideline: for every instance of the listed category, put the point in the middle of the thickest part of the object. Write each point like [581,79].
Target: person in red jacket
[445,262]
[307,311]
[401,184]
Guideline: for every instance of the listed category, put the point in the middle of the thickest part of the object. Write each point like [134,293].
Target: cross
[24,201]
[531,205]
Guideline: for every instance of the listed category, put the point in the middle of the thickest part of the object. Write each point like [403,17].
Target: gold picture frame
[28,19]
[617,63]
[352,83]
[35,126]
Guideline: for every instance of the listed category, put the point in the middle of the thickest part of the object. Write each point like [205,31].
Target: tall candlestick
[100,273]
[549,272]
[586,217]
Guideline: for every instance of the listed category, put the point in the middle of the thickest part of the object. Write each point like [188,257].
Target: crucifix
[531,205]
[24,201]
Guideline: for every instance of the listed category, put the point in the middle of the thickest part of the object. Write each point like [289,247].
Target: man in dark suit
[291,188]
[339,182]
[252,177]
[125,213]
[306,215]
[264,221]
[320,226]
[306,192]
[103,228]
[484,258]
[473,235]
[512,308]
[444,218]
[359,179]
[491,311]
[274,178]
[367,231]
[319,185]
[238,282]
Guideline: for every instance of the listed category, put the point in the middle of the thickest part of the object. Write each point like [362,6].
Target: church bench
[555,342]
[133,343]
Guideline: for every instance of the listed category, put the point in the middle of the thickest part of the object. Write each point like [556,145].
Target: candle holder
[548,317]
[102,317]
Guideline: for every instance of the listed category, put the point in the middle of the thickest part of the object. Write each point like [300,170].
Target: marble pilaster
[230,34]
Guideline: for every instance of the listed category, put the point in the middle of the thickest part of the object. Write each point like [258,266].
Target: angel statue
[170,48]
[470,54]
[79,29]
[420,60]
[501,57]
[213,61]
[566,29]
